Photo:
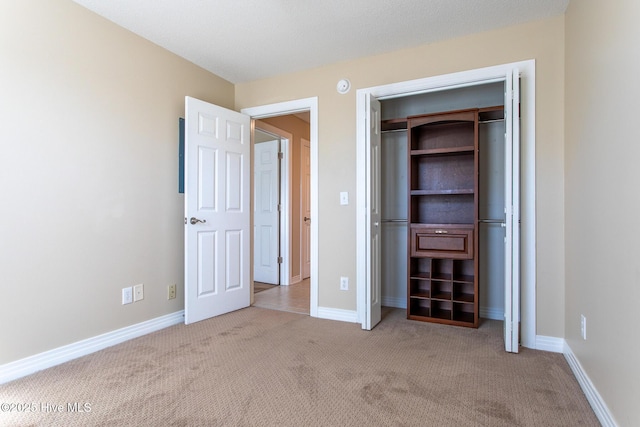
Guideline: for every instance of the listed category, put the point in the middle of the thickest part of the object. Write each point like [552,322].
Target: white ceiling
[245,40]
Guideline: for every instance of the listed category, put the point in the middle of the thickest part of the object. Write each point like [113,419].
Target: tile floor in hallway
[292,298]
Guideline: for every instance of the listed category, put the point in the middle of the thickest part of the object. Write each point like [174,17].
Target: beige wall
[602,201]
[88,129]
[298,129]
[542,41]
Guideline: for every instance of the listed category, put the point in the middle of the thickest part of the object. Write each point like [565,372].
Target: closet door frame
[527,245]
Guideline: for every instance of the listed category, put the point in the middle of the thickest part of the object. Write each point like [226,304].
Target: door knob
[306,218]
[195,220]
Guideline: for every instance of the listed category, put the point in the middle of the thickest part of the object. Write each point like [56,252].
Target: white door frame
[527,171]
[285,197]
[292,107]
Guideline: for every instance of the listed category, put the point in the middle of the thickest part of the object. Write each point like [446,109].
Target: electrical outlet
[127,295]
[583,327]
[171,291]
[138,292]
[344,283]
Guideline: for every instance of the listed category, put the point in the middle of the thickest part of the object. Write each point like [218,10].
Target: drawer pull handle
[441,232]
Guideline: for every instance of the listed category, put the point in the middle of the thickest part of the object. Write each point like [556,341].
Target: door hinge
[185,219]
[280,155]
[510,95]
[280,260]
[279,207]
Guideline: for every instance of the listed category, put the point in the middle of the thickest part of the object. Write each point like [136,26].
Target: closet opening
[395,216]
[513,86]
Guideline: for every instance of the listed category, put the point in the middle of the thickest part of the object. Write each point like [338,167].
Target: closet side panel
[394,196]
[491,215]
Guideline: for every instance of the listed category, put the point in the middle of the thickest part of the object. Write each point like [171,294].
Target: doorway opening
[271,206]
[281,213]
[295,125]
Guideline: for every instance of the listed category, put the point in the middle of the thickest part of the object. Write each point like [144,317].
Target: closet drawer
[442,241]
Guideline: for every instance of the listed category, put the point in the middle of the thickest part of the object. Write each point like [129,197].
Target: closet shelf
[442,192]
[443,151]
[444,296]
[420,295]
[463,279]
[441,314]
[464,298]
[393,124]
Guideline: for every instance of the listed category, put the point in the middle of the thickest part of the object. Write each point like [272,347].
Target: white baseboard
[338,314]
[595,400]
[394,302]
[492,313]
[29,365]
[552,344]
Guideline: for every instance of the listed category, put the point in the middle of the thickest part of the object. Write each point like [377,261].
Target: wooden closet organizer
[442,284]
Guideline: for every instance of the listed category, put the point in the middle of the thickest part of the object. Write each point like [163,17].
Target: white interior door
[512,213]
[266,218]
[217,210]
[306,208]
[374,257]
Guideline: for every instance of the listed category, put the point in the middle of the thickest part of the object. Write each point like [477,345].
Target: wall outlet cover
[171,291]
[138,292]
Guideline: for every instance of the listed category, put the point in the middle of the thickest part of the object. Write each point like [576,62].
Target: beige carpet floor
[258,367]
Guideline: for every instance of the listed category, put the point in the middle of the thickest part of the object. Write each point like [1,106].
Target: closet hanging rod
[393,130]
[489,121]
[491,221]
[394,220]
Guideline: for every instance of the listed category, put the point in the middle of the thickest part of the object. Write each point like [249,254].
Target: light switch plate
[344,198]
